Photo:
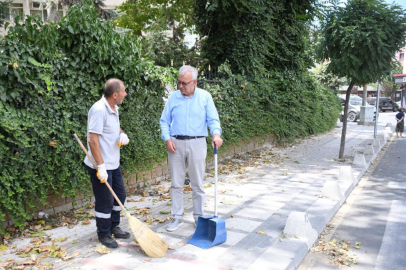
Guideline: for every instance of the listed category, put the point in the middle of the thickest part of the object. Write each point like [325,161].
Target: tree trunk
[52,11]
[344,131]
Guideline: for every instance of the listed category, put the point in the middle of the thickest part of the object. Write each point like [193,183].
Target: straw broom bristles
[149,241]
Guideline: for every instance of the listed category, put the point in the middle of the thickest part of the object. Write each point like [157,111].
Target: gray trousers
[193,152]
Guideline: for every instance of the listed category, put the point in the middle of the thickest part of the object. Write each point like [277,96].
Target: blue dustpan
[210,230]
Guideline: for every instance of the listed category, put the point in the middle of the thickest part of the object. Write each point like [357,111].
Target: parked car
[354,108]
[385,103]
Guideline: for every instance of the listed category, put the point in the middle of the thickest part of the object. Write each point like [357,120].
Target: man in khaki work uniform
[104,138]
[184,122]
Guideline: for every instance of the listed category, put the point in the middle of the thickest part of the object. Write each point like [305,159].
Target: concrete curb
[285,254]
[359,160]
[323,210]
[298,226]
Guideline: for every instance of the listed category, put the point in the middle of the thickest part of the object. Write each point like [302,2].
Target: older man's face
[186,85]
[121,95]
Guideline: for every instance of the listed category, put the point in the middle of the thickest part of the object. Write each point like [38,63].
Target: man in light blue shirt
[184,121]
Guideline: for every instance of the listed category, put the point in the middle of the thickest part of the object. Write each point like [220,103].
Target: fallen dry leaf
[86,222]
[339,252]
[67,258]
[28,262]
[53,143]
[102,250]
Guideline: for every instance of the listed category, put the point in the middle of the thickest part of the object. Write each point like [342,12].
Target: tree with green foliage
[163,50]
[145,15]
[389,87]
[359,41]
[255,36]
[98,4]
[163,24]
[4,10]
[168,51]
[328,79]
[54,5]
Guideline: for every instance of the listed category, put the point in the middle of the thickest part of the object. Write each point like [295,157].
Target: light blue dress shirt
[189,116]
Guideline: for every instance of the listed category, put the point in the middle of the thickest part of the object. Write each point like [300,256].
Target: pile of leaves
[239,163]
[339,252]
[36,251]
[37,226]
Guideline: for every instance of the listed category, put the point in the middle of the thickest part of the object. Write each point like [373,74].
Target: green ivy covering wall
[51,74]
[289,105]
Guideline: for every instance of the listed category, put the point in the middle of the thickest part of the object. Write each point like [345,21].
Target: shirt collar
[194,94]
[108,105]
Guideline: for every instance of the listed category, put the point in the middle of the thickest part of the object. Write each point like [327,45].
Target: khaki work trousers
[193,152]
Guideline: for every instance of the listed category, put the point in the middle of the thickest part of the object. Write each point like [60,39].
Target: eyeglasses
[183,83]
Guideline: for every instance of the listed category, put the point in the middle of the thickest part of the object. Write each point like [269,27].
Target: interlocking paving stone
[256,201]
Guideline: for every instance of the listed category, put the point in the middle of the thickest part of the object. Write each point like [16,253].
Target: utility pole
[377,110]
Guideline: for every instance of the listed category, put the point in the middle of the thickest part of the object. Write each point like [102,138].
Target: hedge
[51,74]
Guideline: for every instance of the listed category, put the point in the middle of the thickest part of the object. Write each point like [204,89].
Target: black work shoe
[119,233]
[108,241]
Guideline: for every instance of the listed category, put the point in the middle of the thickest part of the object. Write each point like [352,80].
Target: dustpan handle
[215,180]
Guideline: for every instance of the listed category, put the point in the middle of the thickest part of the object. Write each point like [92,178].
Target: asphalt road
[374,216]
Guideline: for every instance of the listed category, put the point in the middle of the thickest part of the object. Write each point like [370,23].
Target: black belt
[181,137]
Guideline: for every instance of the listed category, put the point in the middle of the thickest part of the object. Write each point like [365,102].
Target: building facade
[33,8]
[400,56]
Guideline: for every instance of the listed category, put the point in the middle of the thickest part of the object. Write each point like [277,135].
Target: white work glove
[102,173]
[123,139]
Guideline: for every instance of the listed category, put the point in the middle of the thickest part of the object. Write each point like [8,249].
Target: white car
[354,108]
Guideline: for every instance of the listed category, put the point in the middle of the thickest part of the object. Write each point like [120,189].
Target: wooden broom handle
[95,165]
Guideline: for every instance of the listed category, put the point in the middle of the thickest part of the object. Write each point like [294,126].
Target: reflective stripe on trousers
[107,210]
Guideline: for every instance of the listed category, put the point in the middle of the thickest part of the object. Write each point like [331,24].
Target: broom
[149,241]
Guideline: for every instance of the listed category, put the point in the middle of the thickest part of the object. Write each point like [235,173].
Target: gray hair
[113,85]
[186,68]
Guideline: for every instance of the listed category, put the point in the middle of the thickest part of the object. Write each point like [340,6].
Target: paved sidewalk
[275,202]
